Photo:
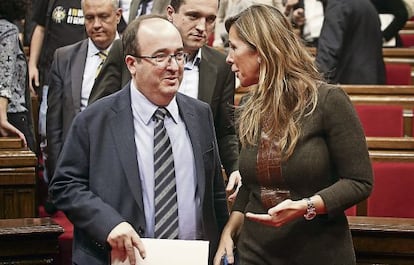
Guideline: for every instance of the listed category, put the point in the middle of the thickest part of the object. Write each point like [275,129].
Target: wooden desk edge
[381,224]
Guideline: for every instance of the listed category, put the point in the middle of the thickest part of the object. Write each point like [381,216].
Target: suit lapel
[77,69]
[207,78]
[122,127]
[191,121]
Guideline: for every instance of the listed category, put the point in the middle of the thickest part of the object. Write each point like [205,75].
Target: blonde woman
[303,160]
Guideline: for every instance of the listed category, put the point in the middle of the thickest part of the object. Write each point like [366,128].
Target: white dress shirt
[89,74]
[189,203]
[189,85]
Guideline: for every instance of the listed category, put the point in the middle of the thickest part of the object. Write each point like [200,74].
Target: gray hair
[115,3]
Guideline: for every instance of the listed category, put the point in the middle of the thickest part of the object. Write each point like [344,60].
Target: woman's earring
[259,60]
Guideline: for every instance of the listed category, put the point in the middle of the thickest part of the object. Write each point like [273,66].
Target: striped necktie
[165,194]
[102,55]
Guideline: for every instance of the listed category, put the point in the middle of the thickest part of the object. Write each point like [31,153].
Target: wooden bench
[17,180]
[372,95]
[387,149]
[383,240]
[385,95]
[391,149]
[409,25]
[29,241]
[391,55]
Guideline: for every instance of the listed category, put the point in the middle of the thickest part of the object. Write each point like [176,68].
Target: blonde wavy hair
[287,90]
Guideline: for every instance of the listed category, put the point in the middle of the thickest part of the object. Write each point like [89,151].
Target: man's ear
[118,13]
[170,12]
[130,61]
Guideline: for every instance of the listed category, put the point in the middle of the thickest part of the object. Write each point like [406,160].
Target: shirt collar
[189,65]
[93,50]
[145,108]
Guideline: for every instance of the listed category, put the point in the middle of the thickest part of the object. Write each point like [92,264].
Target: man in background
[58,23]
[350,44]
[207,76]
[108,176]
[74,70]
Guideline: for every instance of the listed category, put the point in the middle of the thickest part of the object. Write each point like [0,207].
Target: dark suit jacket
[350,44]
[97,181]
[216,87]
[64,96]
[159,8]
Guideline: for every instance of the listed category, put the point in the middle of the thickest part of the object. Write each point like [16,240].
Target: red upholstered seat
[412,128]
[398,73]
[351,211]
[381,120]
[407,40]
[393,193]
[65,240]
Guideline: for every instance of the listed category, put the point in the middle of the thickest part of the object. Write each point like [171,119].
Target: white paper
[171,252]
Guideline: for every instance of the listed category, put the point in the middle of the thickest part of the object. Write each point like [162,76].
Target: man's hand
[33,78]
[298,17]
[123,238]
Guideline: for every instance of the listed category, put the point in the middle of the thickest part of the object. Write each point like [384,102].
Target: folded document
[172,252]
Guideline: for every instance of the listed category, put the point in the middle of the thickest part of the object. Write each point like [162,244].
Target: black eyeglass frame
[163,58]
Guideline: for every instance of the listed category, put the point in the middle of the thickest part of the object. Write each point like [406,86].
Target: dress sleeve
[348,151]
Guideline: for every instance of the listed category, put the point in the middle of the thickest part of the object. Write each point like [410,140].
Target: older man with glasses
[207,77]
[143,162]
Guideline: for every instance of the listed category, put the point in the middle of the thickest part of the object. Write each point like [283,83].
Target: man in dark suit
[104,180]
[74,70]
[350,44]
[206,75]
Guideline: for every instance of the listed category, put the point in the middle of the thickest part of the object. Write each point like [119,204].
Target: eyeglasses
[163,58]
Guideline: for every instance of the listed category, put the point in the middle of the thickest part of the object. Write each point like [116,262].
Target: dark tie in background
[102,55]
[144,7]
[165,195]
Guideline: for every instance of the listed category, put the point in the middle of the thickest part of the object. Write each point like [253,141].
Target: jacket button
[141,232]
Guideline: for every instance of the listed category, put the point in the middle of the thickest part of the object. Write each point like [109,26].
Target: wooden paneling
[383,240]
[18,192]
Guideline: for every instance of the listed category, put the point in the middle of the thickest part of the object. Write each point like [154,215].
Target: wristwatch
[310,210]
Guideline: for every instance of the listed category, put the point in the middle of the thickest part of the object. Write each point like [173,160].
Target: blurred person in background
[58,23]
[350,44]
[15,102]
[399,12]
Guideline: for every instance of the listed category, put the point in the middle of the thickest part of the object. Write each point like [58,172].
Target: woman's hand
[225,248]
[232,188]
[6,128]
[287,211]
[281,214]
[230,232]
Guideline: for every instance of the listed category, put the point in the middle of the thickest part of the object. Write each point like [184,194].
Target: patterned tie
[165,195]
[102,55]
